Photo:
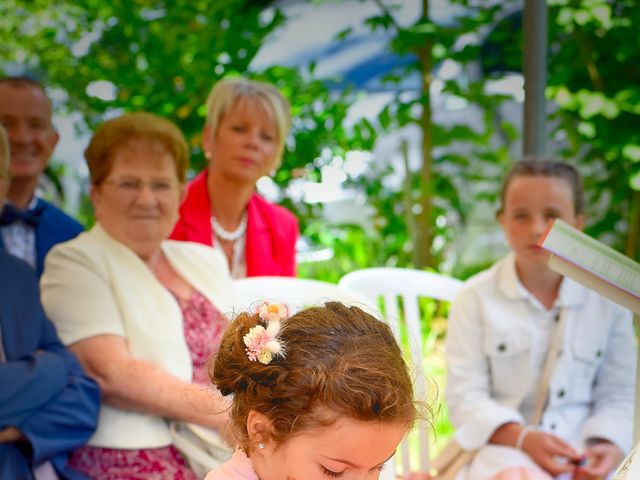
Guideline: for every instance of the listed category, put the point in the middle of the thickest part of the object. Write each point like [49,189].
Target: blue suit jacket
[54,227]
[44,391]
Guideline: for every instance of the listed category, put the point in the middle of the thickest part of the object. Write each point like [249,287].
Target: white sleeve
[77,295]
[473,412]
[614,389]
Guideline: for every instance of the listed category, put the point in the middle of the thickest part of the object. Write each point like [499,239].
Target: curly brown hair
[339,359]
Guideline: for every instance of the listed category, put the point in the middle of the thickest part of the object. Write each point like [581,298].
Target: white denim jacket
[496,345]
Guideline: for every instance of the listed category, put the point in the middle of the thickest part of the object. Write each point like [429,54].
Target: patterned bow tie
[11,214]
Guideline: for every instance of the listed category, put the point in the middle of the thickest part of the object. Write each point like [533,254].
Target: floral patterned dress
[204,325]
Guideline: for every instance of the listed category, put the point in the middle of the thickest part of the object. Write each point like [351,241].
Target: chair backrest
[295,292]
[390,285]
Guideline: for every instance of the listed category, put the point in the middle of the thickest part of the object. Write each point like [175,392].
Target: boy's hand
[602,458]
[545,449]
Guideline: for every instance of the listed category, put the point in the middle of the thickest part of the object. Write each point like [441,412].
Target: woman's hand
[133,384]
[602,458]
[545,449]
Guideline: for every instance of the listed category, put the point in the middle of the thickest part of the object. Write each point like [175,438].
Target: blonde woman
[243,139]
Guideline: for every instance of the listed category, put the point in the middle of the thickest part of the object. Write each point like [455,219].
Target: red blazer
[272,230]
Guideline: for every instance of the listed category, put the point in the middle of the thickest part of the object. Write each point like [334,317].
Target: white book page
[593,256]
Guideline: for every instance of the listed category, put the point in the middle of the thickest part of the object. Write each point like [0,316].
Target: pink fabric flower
[273,311]
[262,344]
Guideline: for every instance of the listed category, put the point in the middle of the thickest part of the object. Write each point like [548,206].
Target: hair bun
[232,371]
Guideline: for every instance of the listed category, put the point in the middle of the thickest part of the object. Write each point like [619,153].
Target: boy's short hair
[537,166]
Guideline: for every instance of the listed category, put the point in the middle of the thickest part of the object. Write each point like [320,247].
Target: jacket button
[502,348]
[553,426]
[599,353]
[556,317]
[560,393]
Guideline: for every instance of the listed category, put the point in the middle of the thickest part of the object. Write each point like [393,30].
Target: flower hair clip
[262,344]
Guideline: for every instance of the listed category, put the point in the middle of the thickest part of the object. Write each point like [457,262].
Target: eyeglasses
[133,186]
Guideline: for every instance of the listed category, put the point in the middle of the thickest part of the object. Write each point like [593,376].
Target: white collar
[570,294]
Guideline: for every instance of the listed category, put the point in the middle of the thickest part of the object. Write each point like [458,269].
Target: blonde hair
[4,153]
[115,133]
[228,91]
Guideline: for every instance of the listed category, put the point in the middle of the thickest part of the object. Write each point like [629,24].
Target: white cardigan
[95,285]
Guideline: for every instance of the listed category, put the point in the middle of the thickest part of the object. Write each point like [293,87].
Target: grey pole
[535,77]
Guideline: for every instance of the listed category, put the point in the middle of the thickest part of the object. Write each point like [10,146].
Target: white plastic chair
[388,284]
[297,293]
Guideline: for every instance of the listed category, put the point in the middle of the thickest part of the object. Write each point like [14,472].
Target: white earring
[261,446]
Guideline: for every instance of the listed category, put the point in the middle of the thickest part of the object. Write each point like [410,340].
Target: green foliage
[595,79]
[392,238]
[163,56]
[160,56]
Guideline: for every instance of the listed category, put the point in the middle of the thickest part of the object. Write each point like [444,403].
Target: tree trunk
[407,190]
[632,248]
[423,235]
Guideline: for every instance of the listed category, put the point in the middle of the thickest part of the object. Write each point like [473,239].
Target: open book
[592,263]
[629,469]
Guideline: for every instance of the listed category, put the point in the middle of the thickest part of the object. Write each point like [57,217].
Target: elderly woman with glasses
[243,140]
[142,313]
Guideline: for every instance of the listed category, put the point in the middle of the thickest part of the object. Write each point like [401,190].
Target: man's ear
[258,428]
[56,138]
[52,141]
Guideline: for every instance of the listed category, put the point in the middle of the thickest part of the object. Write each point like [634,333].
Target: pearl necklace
[226,235]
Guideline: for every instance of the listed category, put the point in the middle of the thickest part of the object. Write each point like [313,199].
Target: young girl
[324,393]
[500,329]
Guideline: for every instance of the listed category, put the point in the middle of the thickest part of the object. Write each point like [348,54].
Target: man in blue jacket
[48,405]
[30,226]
